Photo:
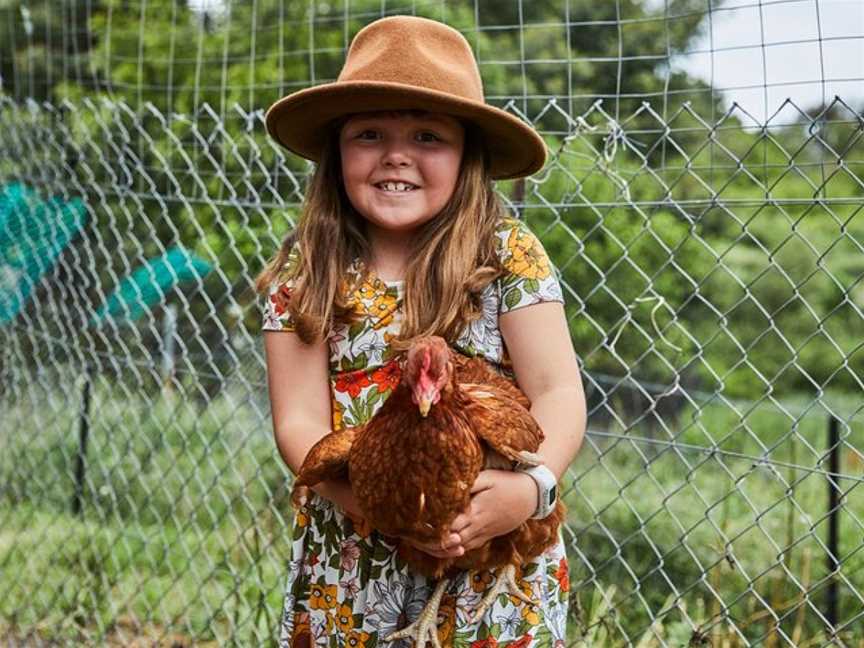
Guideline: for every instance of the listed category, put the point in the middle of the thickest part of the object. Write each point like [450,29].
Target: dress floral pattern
[346,585]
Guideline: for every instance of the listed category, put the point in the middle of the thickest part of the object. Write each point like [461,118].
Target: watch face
[553,494]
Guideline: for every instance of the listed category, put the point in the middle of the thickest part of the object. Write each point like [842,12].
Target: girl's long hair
[453,255]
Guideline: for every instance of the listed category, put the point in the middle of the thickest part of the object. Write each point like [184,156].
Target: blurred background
[702,204]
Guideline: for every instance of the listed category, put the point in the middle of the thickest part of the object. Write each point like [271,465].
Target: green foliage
[727,256]
[747,251]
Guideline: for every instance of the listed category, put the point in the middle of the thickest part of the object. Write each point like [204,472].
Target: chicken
[412,465]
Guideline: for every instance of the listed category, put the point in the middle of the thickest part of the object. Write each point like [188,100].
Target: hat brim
[298,121]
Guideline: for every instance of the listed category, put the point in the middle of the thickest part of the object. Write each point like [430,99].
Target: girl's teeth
[397,186]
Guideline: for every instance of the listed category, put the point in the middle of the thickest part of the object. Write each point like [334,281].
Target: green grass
[185,528]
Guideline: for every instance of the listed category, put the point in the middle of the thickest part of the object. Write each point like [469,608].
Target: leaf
[513,297]
[483,632]
[381,553]
[531,286]
[356,412]
[355,330]
[543,637]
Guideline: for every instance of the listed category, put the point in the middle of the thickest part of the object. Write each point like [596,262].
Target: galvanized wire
[712,267]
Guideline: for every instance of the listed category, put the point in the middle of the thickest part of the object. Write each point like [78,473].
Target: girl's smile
[400,168]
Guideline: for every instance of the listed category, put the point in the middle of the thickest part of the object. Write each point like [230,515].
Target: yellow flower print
[322,597]
[345,618]
[446,620]
[529,612]
[356,639]
[365,292]
[384,309]
[302,519]
[338,414]
[378,306]
[526,258]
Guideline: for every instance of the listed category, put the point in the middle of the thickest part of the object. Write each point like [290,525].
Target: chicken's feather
[412,474]
[327,459]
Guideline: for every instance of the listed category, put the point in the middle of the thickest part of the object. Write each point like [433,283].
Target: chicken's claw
[426,624]
[505,579]
[529,458]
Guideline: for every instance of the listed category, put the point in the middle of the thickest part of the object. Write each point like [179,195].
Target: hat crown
[414,51]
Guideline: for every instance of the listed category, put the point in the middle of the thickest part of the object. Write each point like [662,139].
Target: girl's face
[423,151]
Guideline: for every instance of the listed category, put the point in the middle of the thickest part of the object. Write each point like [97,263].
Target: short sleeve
[530,277]
[276,315]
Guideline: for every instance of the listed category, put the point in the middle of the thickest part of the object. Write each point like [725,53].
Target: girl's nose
[395,155]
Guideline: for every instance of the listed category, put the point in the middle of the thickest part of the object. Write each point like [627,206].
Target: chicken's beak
[425,404]
[426,400]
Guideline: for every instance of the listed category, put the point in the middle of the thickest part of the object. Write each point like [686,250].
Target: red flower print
[523,641]
[280,298]
[563,575]
[353,382]
[387,376]
[488,642]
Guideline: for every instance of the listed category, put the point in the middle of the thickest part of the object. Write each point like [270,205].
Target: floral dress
[346,586]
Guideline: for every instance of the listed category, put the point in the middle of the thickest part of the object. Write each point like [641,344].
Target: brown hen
[412,465]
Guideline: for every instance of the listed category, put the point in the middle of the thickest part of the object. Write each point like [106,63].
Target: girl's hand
[501,501]
[451,548]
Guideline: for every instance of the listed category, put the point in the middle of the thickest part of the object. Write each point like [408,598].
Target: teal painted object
[33,233]
[148,284]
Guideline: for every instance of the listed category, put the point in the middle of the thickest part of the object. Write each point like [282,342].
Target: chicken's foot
[505,580]
[529,458]
[426,624]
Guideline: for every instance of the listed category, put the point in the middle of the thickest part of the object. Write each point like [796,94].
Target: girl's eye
[433,136]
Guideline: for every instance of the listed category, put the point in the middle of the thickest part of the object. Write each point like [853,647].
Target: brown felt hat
[403,62]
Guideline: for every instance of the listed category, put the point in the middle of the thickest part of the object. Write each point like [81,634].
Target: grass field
[185,529]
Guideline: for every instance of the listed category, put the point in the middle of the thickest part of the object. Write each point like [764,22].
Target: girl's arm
[538,342]
[299,384]
[539,345]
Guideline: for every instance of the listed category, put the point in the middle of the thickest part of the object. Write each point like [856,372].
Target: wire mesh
[710,254]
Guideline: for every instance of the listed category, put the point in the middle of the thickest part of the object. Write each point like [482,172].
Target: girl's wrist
[532,494]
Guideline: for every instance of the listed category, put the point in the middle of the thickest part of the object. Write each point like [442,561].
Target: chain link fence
[712,266]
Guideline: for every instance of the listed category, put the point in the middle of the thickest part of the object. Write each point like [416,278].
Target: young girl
[401,235]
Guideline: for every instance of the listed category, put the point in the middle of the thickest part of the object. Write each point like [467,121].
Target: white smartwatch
[547,487]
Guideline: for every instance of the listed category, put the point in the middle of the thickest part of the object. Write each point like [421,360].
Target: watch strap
[547,489]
